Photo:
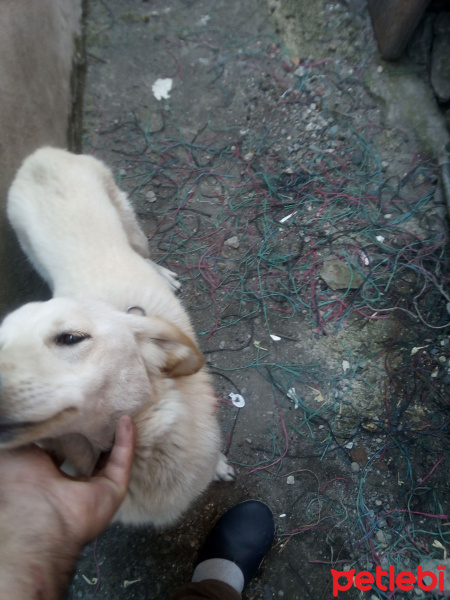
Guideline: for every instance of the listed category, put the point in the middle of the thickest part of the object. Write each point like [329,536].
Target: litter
[292,395]
[161,89]
[237,400]
[287,217]
[416,349]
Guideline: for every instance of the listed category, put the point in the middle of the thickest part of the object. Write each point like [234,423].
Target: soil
[268,164]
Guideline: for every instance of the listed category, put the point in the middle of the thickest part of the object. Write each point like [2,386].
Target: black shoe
[243,535]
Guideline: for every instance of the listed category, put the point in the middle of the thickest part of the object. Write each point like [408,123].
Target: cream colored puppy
[70,367]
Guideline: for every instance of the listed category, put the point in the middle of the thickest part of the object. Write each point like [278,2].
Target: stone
[354,467]
[359,455]
[339,276]
[333,130]
[290,480]
[232,242]
[381,537]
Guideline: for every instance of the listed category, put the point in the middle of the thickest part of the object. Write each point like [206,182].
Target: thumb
[104,493]
[118,466]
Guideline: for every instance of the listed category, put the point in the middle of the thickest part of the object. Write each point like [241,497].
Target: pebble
[232,242]
[354,467]
[150,196]
[381,537]
[290,480]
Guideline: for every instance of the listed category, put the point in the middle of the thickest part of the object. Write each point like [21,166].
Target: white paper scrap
[161,88]
[237,400]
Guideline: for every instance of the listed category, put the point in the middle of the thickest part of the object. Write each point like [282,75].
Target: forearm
[33,566]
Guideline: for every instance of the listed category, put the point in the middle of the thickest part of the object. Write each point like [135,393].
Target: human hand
[46,517]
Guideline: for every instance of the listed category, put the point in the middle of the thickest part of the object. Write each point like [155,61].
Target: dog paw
[224,471]
[170,278]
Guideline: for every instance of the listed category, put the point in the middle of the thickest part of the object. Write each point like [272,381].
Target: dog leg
[136,237]
[224,471]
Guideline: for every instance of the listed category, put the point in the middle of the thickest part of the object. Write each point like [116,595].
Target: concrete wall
[41,72]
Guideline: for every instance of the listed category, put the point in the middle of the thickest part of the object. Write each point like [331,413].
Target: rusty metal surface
[393,22]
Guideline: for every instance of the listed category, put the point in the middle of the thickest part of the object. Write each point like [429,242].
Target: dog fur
[71,366]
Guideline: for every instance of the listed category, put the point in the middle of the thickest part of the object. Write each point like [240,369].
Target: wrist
[35,566]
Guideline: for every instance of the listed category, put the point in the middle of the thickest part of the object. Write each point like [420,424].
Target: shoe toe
[243,535]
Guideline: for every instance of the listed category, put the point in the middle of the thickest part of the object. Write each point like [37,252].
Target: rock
[359,455]
[381,537]
[440,63]
[357,157]
[233,242]
[290,480]
[354,467]
[150,196]
[339,276]
[334,130]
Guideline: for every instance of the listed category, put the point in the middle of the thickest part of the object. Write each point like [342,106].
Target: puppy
[114,340]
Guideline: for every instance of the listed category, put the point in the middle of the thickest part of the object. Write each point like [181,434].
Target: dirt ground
[311,240]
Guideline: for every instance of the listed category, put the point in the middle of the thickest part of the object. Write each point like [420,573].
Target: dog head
[75,367]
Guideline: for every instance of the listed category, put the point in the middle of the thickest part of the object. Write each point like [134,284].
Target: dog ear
[165,346]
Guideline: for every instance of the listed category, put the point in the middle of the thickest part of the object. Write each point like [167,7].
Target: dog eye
[70,338]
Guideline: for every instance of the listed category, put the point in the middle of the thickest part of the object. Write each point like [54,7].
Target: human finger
[118,466]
